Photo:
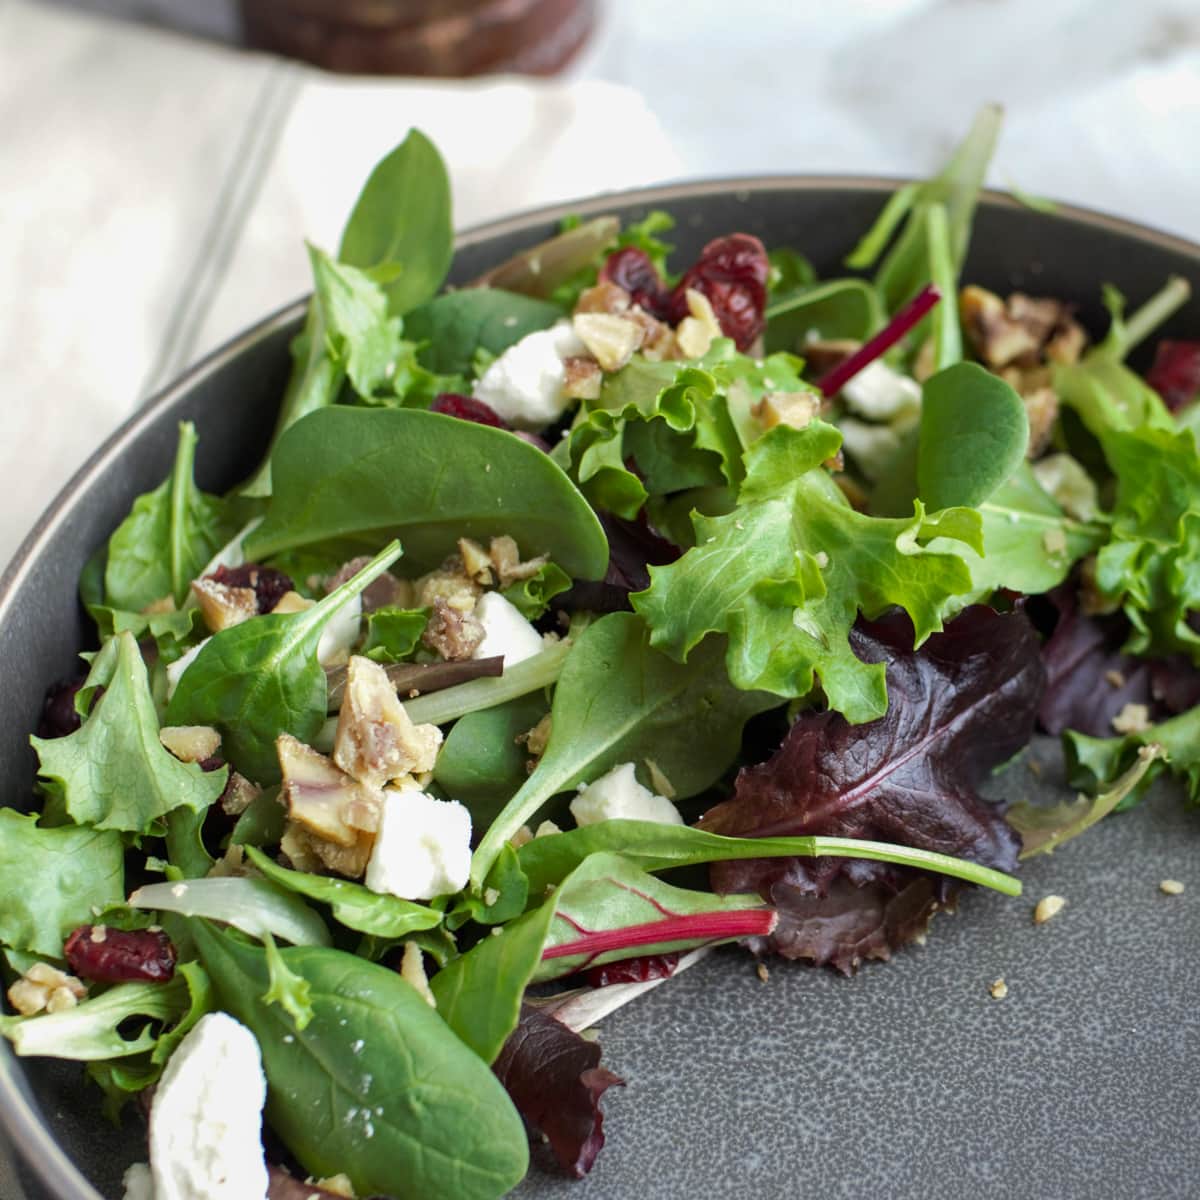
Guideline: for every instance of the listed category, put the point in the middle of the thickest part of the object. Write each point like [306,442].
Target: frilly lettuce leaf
[787,573]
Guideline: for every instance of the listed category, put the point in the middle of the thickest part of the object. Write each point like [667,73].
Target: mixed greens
[742,576]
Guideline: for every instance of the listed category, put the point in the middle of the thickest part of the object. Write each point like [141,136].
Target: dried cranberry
[634,970]
[59,717]
[467,408]
[632,270]
[732,272]
[269,585]
[106,955]
[1175,375]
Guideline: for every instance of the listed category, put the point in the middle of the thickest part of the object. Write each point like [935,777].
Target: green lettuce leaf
[113,771]
[787,573]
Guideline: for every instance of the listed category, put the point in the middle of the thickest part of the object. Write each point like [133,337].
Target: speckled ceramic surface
[909,1080]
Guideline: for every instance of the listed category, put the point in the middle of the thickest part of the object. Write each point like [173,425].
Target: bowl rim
[21,1127]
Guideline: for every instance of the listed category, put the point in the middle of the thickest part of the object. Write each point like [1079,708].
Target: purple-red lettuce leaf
[555,1079]
[959,706]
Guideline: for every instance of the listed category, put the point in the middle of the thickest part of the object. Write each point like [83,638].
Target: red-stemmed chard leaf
[555,1080]
[906,319]
[1090,680]
[959,706]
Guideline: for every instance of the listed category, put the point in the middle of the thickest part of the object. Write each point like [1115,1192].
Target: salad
[578,621]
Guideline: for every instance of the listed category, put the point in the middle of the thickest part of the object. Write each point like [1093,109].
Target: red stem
[746,922]
[833,381]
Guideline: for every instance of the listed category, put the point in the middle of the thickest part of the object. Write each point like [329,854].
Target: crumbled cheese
[139,1183]
[524,386]
[423,847]
[412,970]
[205,1124]
[340,633]
[880,393]
[1133,718]
[1171,887]
[1054,541]
[871,446]
[618,794]
[546,829]
[505,631]
[1047,907]
[176,669]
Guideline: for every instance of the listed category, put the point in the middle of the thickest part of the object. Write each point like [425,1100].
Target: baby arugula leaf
[352,905]
[620,700]
[974,433]
[168,536]
[375,1084]
[261,678]
[113,771]
[403,217]
[453,328]
[605,910]
[958,707]
[428,478]
[786,574]
[52,880]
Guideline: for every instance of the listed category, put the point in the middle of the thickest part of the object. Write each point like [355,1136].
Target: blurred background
[161,160]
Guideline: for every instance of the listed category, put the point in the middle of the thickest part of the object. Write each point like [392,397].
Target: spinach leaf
[432,479]
[974,432]
[360,337]
[261,678]
[402,217]
[113,771]
[263,823]
[547,861]
[566,262]
[620,700]
[786,574]
[376,1084]
[605,910]
[92,1031]
[456,326]
[168,536]
[481,764]
[352,905]
[394,633]
[834,308]
[52,879]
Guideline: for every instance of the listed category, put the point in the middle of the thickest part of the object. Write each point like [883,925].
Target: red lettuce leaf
[1175,375]
[1089,680]
[555,1079]
[959,706]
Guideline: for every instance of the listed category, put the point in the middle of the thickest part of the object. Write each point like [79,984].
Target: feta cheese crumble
[880,393]
[505,631]
[618,794]
[422,848]
[524,386]
[206,1120]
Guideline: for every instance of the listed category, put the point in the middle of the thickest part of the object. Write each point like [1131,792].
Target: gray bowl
[908,1080]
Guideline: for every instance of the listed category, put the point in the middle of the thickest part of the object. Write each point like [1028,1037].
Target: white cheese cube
[618,794]
[880,393]
[524,386]
[206,1120]
[340,633]
[176,669]
[422,848]
[139,1183]
[505,631]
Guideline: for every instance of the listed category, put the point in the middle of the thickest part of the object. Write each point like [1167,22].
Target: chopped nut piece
[297,849]
[605,297]
[998,339]
[310,853]
[999,989]
[1067,343]
[696,333]
[238,795]
[451,584]
[292,602]
[658,338]
[1054,541]
[1047,907]
[339,1185]
[546,828]
[1171,887]
[821,355]
[190,743]
[1133,718]
[43,985]
[164,604]
[1041,407]
[230,865]
[60,999]
[223,606]
[522,837]
[582,378]
[476,562]
[453,634]
[761,971]
[27,998]
[794,409]
[506,558]
[375,740]
[534,740]
[47,976]
[611,339]
[1115,678]
[315,791]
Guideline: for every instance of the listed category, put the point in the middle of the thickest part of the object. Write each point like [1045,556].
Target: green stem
[1174,295]
[181,481]
[921,860]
